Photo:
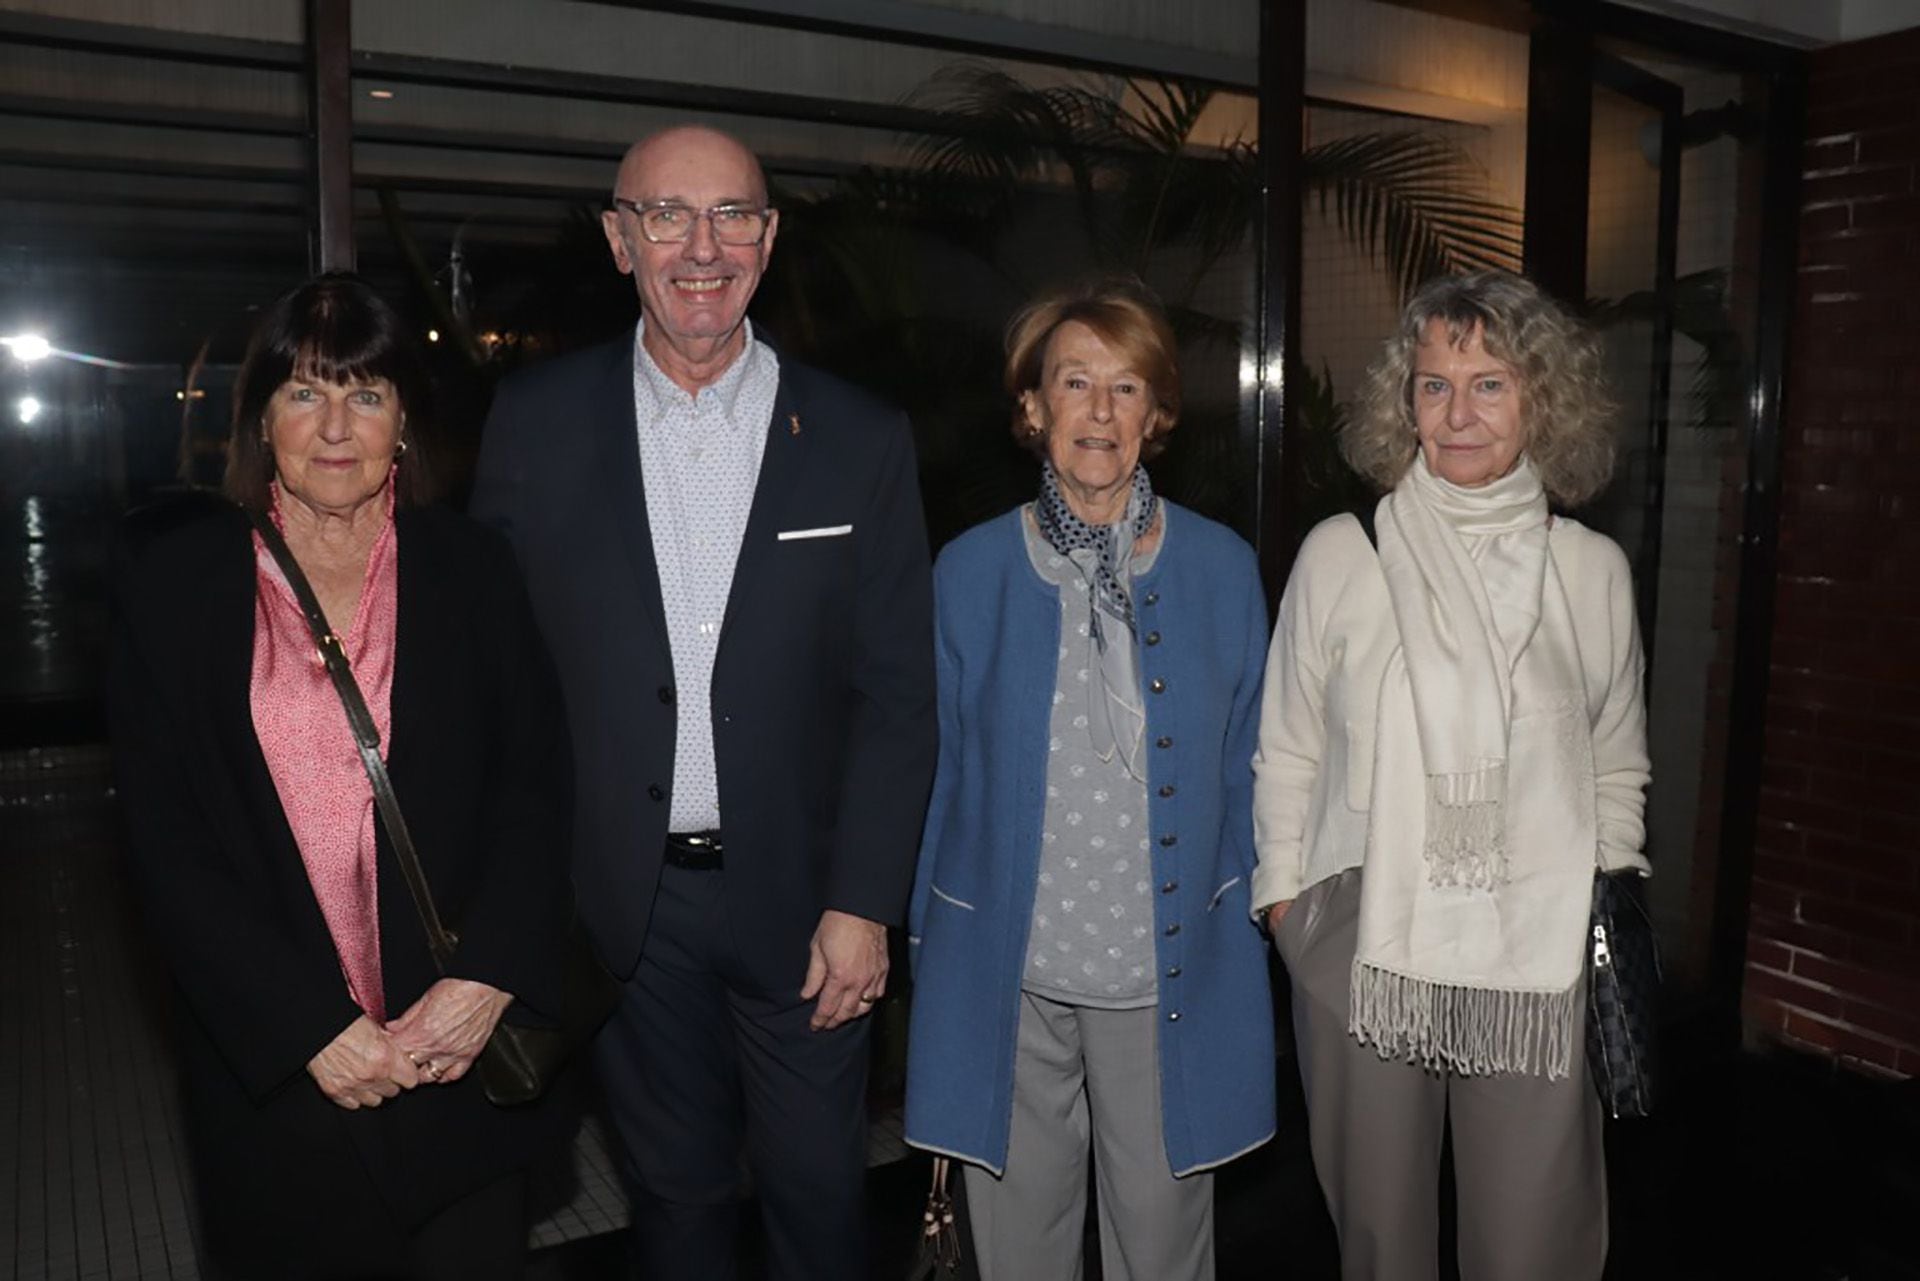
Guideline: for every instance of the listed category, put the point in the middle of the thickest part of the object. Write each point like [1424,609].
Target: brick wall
[1833,962]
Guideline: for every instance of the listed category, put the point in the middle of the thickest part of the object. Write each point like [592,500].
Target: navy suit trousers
[718,1088]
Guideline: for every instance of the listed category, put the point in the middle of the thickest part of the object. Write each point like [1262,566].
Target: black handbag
[518,1064]
[1623,992]
[937,1255]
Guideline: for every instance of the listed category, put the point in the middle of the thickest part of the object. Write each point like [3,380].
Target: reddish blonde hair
[1127,317]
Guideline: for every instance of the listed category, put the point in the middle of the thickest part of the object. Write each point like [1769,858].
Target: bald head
[671,153]
[694,278]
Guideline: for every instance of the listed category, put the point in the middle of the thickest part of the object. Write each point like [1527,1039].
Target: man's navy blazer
[823,687]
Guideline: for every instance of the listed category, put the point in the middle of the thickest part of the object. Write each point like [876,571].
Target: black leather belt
[694,851]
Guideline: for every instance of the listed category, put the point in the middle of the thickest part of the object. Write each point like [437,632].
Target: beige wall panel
[1396,50]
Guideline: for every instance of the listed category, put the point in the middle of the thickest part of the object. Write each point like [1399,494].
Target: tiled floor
[93,1184]
[596,1204]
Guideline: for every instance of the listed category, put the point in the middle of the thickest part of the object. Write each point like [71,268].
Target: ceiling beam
[290,175]
[581,86]
[151,116]
[257,207]
[125,39]
[982,35]
[201,120]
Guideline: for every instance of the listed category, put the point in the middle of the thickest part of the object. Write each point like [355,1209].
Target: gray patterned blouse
[1091,942]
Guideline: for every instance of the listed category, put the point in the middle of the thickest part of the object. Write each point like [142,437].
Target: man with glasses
[726,553]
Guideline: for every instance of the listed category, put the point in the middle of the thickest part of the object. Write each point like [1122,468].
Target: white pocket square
[824,531]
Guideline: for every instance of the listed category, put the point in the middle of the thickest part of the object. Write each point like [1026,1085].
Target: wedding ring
[866,1000]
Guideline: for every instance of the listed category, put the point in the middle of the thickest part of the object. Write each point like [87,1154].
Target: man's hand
[446,1029]
[1275,915]
[362,1068]
[847,968]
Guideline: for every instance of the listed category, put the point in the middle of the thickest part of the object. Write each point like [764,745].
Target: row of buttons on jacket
[1159,686]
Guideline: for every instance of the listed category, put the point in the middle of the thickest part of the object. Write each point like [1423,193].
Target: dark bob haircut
[336,329]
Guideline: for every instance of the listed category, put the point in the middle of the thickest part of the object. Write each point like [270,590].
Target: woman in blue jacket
[1086,975]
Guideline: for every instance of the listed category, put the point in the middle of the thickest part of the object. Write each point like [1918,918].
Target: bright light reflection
[433,335]
[27,348]
[28,407]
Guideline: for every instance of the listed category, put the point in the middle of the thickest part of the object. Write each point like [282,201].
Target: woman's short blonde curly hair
[1566,407]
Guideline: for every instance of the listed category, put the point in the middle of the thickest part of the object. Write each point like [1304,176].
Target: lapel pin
[793,424]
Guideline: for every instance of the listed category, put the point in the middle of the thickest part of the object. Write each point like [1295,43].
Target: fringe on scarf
[1467,1030]
[1466,837]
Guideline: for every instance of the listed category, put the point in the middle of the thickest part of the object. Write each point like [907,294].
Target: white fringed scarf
[1481,836]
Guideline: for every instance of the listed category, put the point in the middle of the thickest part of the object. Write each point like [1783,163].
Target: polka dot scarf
[1111,545]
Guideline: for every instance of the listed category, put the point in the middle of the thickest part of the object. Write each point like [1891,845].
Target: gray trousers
[1527,1159]
[1083,1073]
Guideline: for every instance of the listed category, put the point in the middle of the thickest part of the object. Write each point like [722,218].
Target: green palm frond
[1167,113]
[1210,204]
[1405,197]
[1006,132]
[1179,194]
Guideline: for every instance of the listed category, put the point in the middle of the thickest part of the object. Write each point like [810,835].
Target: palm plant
[1141,186]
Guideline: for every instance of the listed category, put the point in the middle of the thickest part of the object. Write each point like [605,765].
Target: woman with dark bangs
[335,1126]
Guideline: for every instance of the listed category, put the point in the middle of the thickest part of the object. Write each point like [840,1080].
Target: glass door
[1633,207]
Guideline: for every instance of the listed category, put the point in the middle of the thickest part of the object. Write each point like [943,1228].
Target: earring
[401,448]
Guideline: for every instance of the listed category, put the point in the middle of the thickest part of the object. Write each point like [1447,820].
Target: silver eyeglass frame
[640,209]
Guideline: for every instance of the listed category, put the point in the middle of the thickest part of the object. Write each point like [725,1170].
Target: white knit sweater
[1313,770]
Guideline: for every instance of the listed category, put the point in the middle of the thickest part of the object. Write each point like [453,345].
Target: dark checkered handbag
[1623,992]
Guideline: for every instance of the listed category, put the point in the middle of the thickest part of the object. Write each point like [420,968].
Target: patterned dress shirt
[700,461]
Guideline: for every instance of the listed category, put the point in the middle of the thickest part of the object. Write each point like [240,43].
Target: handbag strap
[1364,514]
[366,737]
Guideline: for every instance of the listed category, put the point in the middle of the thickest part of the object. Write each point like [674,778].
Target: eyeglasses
[670,222]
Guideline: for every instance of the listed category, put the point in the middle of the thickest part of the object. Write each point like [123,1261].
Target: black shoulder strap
[1365,516]
[366,737]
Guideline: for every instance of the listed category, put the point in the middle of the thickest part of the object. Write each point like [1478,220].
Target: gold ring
[866,1000]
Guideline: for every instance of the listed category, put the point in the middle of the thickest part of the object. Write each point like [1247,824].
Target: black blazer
[479,760]
[823,700]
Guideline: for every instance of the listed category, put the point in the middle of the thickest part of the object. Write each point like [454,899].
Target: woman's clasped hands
[435,1041]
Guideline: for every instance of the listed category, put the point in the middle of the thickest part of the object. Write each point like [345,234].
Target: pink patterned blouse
[310,752]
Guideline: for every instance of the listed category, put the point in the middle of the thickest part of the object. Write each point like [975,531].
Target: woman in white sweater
[1452,742]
